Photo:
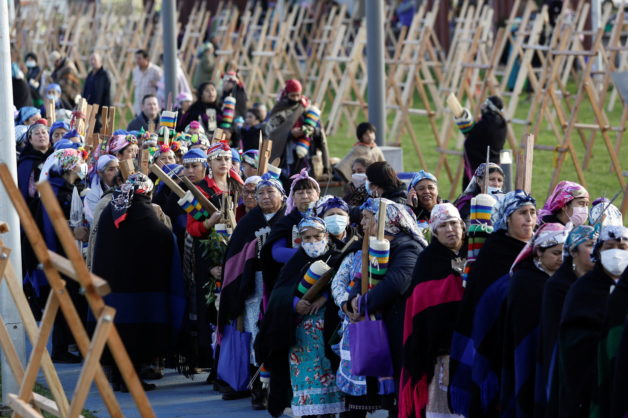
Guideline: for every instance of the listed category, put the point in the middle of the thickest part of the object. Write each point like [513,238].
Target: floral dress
[312,377]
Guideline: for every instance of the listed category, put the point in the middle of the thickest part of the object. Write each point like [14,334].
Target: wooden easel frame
[75,268]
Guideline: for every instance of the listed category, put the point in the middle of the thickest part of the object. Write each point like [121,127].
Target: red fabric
[197,228]
[240,212]
[448,289]
[413,396]
[293,86]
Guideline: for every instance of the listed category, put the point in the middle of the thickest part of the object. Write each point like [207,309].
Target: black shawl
[279,122]
[606,392]
[431,312]
[281,229]
[493,262]
[619,400]
[521,337]
[277,331]
[554,294]
[198,110]
[141,264]
[242,262]
[491,131]
[580,331]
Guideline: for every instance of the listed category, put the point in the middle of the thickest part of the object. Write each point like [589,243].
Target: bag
[368,345]
[233,362]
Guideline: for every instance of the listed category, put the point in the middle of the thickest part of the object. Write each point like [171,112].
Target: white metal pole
[7,212]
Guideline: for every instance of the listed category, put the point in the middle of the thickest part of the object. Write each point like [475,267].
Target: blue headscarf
[235,156]
[64,143]
[59,125]
[508,205]
[195,155]
[579,235]
[312,222]
[330,202]
[421,175]
[269,181]
[27,112]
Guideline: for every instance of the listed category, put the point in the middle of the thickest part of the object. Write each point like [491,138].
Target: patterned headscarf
[220,149]
[579,235]
[328,202]
[398,219]
[548,235]
[441,213]
[612,215]
[609,233]
[165,148]
[312,222]
[66,143]
[251,157]
[60,161]
[479,173]
[508,205]
[563,193]
[118,142]
[421,175]
[269,181]
[137,183]
[303,175]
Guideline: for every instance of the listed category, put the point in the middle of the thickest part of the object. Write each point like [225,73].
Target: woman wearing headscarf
[163,192]
[284,240]
[292,342]
[541,257]
[148,297]
[107,168]
[123,146]
[582,322]
[31,160]
[64,170]
[605,213]
[387,295]
[475,187]
[242,282]
[335,212]
[431,313]
[285,126]
[204,252]
[423,196]
[58,130]
[576,263]
[568,202]
[206,109]
[514,222]
[248,197]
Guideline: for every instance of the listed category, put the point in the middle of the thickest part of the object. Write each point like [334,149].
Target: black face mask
[292,102]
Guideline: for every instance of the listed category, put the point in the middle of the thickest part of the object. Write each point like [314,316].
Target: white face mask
[81,171]
[367,185]
[579,215]
[314,249]
[336,223]
[614,261]
[494,190]
[31,63]
[358,179]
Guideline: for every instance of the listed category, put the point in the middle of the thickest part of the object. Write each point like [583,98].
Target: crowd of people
[387,298]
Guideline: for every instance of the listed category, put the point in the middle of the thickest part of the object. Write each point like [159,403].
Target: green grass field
[600,181]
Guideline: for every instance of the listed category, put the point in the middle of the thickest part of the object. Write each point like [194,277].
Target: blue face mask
[336,224]
[367,185]
[314,249]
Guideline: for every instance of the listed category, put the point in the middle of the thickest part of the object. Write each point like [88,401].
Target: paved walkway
[175,396]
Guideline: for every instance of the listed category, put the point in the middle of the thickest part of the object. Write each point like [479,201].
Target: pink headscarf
[565,192]
[546,236]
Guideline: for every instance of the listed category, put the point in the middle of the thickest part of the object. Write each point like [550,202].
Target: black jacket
[97,89]
[141,121]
